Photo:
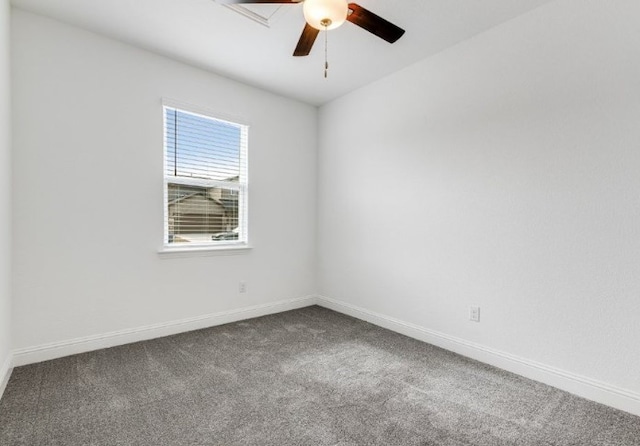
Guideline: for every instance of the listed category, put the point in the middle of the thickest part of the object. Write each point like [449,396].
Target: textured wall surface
[88,203]
[5,188]
[502,173]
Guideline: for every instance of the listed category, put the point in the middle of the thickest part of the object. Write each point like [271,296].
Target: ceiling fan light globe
[316,13]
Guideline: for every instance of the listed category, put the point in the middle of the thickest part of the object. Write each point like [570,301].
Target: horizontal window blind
[205,172]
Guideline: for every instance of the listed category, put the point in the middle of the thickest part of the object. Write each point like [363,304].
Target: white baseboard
[582,386]
[5,374]
[585,387]
[69,347]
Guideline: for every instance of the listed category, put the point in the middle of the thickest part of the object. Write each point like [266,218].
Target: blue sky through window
[201,147]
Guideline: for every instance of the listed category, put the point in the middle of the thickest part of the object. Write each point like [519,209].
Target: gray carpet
[305,377]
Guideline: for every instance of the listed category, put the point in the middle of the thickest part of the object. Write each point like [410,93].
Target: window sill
[204,251]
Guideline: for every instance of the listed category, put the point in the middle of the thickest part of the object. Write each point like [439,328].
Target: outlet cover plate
[474,313]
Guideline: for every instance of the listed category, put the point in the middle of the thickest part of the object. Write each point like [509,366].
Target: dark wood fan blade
[373,23]
[307,39]
[234,2]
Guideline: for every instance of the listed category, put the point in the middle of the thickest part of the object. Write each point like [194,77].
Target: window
[205,180]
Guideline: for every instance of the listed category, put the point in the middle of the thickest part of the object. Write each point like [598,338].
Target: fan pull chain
[326,51]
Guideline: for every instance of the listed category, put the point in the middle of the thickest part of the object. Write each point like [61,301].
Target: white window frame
[213,247]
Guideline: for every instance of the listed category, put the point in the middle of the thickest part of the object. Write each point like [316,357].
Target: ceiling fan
[330,14]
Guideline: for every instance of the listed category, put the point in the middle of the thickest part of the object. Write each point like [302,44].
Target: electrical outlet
[242,287]
[474,314]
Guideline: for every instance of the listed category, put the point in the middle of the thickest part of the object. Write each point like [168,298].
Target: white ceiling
[214,37]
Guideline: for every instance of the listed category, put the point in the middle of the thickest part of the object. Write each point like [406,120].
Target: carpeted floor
[306,377]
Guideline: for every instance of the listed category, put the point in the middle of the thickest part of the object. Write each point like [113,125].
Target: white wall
[88,189]
[503,172]
[5,193]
